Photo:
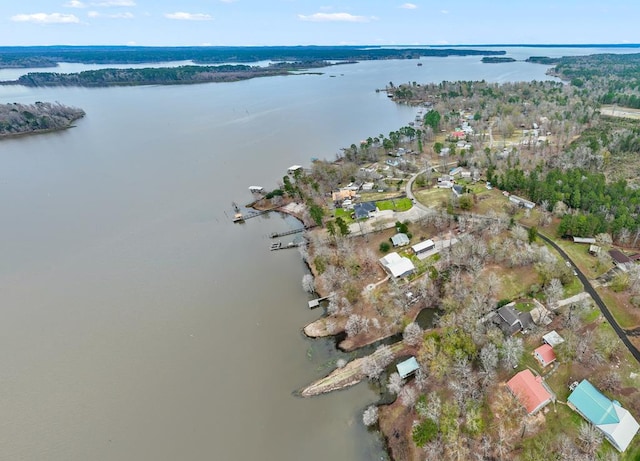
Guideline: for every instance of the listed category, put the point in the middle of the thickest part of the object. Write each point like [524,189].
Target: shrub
[384,247]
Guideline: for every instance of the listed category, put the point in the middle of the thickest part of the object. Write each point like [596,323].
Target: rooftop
[529,390]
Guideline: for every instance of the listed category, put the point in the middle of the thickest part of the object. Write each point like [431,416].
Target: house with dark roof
[362,210]
[511,321]
[616,424]
[621,260]
[530,391]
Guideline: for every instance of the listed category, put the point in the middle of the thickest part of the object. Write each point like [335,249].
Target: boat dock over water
[279,246]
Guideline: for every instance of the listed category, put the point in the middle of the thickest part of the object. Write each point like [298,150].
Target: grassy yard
[515,281]
[344,214]
[625,318]
[433,197]
[402,204]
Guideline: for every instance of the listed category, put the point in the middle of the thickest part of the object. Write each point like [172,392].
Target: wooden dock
[279,246]
[274,235]
[316,302]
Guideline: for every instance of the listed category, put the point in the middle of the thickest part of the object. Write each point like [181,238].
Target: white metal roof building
[423,246]
[396,265]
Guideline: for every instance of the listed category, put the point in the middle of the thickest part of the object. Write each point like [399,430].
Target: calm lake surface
[138,322]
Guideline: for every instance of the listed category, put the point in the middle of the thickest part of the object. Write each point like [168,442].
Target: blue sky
[324,22]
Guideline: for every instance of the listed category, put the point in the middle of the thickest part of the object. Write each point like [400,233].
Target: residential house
[616,424]
[545,355]
[362,210]
[620,259]
[400,240]
[530,391]
[397,266]
[457,190]
[511,321]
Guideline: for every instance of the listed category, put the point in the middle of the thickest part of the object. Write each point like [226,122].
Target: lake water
[138,321]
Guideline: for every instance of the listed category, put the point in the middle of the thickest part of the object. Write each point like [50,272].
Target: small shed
[594,250]
[545,355]
[552,338]
[423,247]
[407,367]
[400,240]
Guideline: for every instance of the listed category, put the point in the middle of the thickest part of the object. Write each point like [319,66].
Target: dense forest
[162,75]
[43,56]
[615,78]
[18,119]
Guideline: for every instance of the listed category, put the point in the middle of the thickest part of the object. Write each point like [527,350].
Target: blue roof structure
[594,406]
[407,367]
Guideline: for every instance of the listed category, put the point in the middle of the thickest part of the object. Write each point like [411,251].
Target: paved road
[596,297]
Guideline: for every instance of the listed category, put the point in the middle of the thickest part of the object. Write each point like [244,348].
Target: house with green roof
[616,423]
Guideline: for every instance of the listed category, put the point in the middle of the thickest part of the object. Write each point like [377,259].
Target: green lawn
[624,318]
[402,204]
[344,214]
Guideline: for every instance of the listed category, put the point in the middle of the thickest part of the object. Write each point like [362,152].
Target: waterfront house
[397,266]
[407,367]
[530,391]
[545,355]
[294,169]
[616,424]
[400,240]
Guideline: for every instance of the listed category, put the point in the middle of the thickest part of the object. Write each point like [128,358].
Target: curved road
[596,297]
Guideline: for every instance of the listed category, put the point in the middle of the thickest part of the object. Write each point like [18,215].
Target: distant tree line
[42,116]
[42,56]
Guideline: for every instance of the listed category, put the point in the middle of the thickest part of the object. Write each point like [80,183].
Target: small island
[497,59]
[41,117]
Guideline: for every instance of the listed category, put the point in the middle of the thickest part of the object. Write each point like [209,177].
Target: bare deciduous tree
[308,284]
[370,415]
[412,334]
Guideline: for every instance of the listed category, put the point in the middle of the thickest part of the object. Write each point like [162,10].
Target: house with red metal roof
[545,355]
[530,390]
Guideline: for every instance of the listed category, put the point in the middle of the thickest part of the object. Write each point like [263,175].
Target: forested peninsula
[162,75]
[18,119]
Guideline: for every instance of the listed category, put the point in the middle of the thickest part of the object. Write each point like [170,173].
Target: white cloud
[444,11]
[180,15]
[334,17]
[74,4]
[109,3]
[46,18]
[96,14]
[409,6]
